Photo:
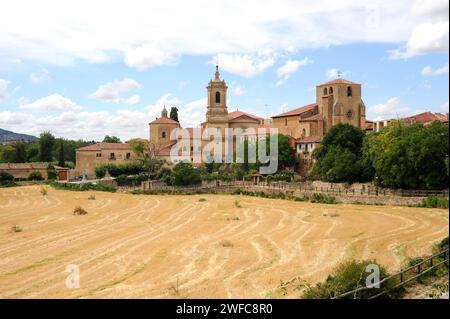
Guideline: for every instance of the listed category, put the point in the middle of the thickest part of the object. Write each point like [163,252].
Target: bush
[434,202]
[124,180]
[348,276]
[51,172]
[184,174]
[35,176]
[124,169]
[323,199]
[100,171]
[79,211]
[84,187]
[6,179]
[282,176]
[16,229]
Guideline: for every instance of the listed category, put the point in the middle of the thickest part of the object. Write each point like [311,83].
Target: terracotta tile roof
[165,151]
[310,139]
[106,146]
[427,117]
[235,114]
[338,81]
[297,111]
[164,120]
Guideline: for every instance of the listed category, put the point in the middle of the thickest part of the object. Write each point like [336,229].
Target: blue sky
[82,74]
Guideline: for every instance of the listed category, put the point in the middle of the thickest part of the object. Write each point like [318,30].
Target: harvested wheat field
[199,246]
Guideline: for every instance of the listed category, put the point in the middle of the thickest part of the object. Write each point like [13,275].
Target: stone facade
[91,156]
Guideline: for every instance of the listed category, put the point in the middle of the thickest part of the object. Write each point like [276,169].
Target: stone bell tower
[217,113]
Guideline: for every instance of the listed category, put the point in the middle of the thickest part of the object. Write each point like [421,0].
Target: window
[285,122]
[128,156]
[112,156]
[217,97]
[163,134]
[98,154]
[349,91]
[331,90]
[325,91]
[303,132]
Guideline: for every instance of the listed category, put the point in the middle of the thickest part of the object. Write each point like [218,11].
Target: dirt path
[178,246]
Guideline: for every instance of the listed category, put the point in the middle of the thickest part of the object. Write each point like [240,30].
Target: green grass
[84,187]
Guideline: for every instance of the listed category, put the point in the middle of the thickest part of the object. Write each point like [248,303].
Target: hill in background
[8,136]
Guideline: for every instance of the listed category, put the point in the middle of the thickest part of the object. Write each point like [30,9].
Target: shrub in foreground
[79,211]
[35,176]
[348,276]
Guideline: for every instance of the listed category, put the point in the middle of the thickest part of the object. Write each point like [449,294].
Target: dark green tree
[410,156]
[21,152]
[111,139]
[184,174]
[340,158]
[61,155]
[174,113]
[46,144]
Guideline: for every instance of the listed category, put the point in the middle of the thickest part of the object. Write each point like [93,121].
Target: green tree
[410,156]
[111,139]
[21,152]
[174,113]
[61,154]
[46,143]
[147,154]
[184,174]
[8,154]
[340,156]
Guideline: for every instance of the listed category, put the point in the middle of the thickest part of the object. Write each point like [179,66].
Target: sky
[86,69]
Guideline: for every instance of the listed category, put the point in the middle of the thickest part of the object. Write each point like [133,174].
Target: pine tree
[174,113]
[61,154]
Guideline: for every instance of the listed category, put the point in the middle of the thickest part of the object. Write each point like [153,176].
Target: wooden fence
[406,275]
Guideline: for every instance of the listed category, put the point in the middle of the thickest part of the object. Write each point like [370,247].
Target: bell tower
[217,112]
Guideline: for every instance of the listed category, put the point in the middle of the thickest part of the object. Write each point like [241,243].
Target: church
[337,101]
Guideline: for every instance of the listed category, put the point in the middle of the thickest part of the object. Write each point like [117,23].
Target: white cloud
[3,86]
[428,71]
[111,91]
[427,85]
[393,108]
[239,90]
[433,8]
[39,77]
[145,57]
[334,73]
[53,102]
[444,107]
[14,118]
[289,68]
[426,38]
[144,34]
[244,65]
[135,99]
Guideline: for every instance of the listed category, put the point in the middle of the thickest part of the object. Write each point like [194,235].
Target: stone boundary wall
[349,198]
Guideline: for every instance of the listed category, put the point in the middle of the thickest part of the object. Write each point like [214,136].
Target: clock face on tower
[349,114]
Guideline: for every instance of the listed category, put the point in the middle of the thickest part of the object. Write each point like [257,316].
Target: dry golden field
[131,246]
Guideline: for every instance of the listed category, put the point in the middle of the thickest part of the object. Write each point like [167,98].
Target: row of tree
[47,148]
[400,156]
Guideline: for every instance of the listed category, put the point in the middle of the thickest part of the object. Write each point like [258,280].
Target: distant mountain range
[8,136]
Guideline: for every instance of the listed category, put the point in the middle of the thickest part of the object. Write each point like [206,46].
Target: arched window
[163,134]
[349,91]
[217,97]
[325,91]
[303,132]
[331,90]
